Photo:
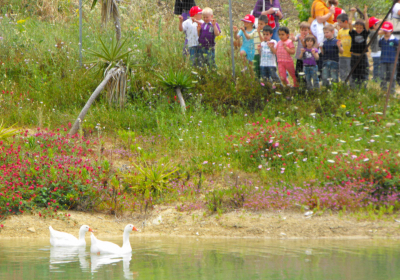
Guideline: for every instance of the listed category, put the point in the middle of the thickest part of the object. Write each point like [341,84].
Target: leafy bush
[303,7]
[214,201]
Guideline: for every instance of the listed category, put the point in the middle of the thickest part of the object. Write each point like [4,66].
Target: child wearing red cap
[182,8]
[388,44]
[189,26]
[374,46]
[247,33]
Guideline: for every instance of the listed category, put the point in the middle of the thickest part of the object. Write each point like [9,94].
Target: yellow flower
[219,38]
[343,106]
[21,21]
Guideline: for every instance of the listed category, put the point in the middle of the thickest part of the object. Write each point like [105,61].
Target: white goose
[104,247]
[63,239]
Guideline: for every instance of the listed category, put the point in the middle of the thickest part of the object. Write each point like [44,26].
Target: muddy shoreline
[239,224]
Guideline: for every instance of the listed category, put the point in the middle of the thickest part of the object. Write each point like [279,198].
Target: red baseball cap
[249,18]
[195,10]
[373,21]
[387,26]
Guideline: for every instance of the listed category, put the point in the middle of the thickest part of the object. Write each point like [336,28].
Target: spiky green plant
[6,132]
[177,81]
[151,179]
[114,57]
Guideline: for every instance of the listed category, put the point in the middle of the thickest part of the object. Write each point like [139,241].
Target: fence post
[391,80]
[232,48]
[80,33]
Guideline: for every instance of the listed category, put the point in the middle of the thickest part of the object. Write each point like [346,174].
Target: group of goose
[63,239]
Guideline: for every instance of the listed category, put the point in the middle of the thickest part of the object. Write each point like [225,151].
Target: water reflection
[198,259]
[98,261]
[63,255]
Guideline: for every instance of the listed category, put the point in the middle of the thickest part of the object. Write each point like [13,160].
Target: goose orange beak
[134,229]
[91,230]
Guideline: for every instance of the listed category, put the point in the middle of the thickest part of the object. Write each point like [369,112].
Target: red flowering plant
[382,170]
[47,169]
[278,145]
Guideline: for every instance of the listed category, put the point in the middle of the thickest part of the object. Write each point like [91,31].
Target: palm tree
[113,63]
[110,8]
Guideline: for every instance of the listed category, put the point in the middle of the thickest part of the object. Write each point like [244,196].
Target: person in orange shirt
[322,14]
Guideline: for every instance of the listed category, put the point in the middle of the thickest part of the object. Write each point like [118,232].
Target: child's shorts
[249,53]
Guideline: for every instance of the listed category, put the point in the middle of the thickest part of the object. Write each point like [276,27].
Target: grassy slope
[41,70]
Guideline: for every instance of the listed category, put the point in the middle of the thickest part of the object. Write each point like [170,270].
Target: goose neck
[82,235]
[126,239]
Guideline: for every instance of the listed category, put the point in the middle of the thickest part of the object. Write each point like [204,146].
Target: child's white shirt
[268,59]
[395,11]
[190,28]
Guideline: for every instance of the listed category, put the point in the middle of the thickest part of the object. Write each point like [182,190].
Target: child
[182,7]
[388,45]
[268,57]
[207,33]
[358,44]
[247,34]
[284,49]
[330,50]
[262,21]
[190,28]
[374,45]
[345,39]
[309,56]
[304,31]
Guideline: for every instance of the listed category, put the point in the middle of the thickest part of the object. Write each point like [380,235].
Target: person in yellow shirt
[344,37]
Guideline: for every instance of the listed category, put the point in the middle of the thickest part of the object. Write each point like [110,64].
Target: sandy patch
[237,224]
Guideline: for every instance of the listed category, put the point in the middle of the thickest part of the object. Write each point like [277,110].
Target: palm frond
[112,56]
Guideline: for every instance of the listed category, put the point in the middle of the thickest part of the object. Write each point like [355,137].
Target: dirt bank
[240,224]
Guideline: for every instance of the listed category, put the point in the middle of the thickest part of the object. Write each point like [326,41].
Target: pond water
[197,258]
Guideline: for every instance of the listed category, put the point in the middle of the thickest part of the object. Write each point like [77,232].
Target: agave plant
[113,57]
[177,81]
[6,132]
[110,8]
[151,178]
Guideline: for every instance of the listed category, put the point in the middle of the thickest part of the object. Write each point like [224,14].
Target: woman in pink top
[284,51]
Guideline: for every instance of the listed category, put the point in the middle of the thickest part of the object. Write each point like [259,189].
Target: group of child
[331,59]
[201,30]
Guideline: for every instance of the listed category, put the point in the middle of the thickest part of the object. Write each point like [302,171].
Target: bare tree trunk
[117,24]
[181,100]
[92,98]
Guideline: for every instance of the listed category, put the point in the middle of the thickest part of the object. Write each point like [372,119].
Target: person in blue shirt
[388,44]
[330,50]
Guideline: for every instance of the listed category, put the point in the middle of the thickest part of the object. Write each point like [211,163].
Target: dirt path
[240,224]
